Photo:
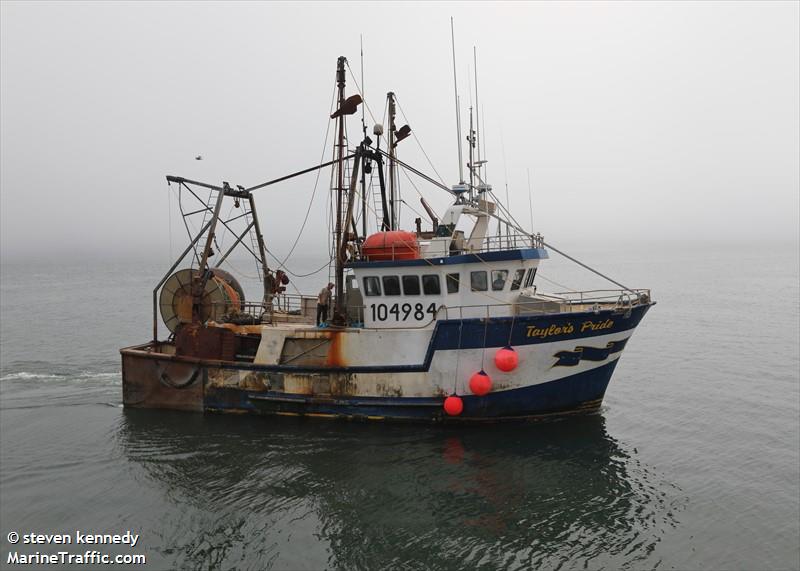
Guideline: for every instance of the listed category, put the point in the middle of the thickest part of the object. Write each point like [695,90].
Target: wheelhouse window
[478,281]
[372,285]
[529,279]
[518,275]
[430,284]
[391,285]
[452,282]
[410,285]
[499,278]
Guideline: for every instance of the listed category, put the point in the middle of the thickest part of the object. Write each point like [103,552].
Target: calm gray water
[693,463]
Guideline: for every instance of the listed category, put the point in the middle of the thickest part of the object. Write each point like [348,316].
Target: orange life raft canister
[391,245]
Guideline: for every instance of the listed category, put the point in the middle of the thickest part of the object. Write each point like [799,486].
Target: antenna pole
[485,154]
[458,115]
[477,107]
[392,173]
[471,141]
[338,315]
[508,205]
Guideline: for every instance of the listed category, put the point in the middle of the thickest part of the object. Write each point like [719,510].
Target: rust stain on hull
[335,350]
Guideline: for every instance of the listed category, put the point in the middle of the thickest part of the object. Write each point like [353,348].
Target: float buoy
[506,359]
[480,383]
[453,405]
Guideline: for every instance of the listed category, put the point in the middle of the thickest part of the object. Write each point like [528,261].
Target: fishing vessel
[442,324]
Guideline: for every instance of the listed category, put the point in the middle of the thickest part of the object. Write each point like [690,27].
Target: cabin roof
[498,256]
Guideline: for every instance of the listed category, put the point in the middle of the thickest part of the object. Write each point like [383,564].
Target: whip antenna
[530,200]
[458,115]
[477,114]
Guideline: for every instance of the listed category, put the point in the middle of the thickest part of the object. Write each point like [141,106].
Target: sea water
[692,463]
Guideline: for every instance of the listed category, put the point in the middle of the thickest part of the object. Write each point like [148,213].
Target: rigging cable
[458,353]
[360,92]
[186,224]
[169,220]
[314,193]
[539,274]
[413,134]
[485,331]
[325,265]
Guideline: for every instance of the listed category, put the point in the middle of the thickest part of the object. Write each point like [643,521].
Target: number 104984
[402,312]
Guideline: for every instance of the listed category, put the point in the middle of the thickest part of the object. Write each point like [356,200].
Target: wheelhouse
[415,293]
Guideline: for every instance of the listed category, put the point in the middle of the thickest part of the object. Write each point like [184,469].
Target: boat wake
[23,375]
[80,376]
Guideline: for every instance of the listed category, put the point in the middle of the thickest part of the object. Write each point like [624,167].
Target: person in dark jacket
[323,302]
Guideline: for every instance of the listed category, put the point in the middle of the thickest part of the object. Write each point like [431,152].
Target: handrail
[287,305]
[399,250]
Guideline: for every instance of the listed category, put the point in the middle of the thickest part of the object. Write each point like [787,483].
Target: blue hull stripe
[582,391]
[531,329]
[446,336]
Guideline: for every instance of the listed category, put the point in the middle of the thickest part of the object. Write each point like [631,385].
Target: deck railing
[621,297]
[400,250]
[568,302]
[285,307]
[302,309]
[503,242]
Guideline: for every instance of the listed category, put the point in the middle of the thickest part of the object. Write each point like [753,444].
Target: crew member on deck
[323,301]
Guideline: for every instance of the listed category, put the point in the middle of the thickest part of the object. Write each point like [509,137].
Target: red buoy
[506,359]
[453,405]
[480,383]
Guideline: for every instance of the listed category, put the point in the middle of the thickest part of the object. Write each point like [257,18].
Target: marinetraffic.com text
[86,554]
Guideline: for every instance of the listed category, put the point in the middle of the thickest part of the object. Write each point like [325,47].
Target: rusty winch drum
[222,296]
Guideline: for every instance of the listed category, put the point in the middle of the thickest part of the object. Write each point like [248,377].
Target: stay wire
[300,275]
[169,220]
[360,92]
[538,274]
[225,231]
[186,225]
[458,353]
[411,181]
[485,330]
[511,329]
[414,134]
[314,193]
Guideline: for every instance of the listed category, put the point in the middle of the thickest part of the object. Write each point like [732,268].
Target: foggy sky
[639,122]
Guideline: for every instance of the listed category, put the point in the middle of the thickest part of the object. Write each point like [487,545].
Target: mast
[338,314]
[477,113]
[381,182]
[363,170]
[471,141]
[392,145]
[348,217]
[458,115]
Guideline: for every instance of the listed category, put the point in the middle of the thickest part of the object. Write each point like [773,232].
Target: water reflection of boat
[403,497]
